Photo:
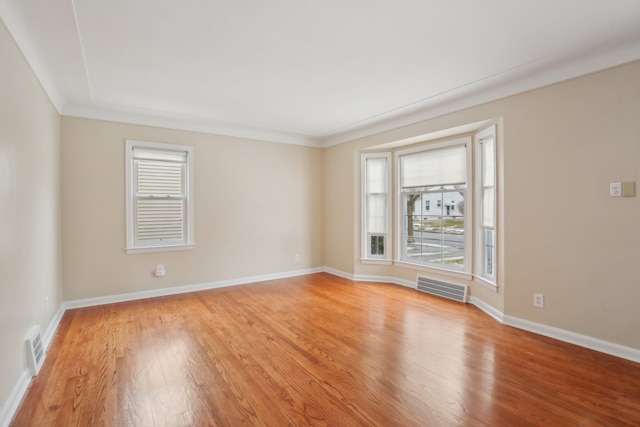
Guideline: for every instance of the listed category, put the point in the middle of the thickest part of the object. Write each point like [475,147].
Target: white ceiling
[309,72]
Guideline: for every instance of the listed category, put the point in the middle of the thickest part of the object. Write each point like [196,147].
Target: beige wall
[257,204]
[30,269]
[562,234]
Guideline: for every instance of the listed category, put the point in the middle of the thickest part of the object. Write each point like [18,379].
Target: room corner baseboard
[53,327]
[602,346]
[488,309]
[8,410]
[338,273]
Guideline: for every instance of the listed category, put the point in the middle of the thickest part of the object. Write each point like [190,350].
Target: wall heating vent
[35,351]
[443,289]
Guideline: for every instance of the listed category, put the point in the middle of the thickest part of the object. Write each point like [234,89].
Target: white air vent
[443,289]
[35,351]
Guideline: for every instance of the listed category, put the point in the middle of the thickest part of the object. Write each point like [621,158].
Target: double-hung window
[376,213]
[435,176]
[159,197]
[486,195]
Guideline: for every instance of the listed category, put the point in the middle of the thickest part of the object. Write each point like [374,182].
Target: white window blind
[488,182]
[159,206]
[376,195]
[160,194]
[445,166]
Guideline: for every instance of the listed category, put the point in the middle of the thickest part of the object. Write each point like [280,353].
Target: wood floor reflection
[318,350]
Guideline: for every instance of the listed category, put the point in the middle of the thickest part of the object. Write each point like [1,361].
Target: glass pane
[437,238]
[489,252]
[377,245]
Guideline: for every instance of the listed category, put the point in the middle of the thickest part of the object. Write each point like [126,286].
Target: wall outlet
[46,301]
[538,300]
[296,258]
[615,189]
[160,271]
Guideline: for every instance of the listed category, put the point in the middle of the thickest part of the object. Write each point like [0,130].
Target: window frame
[367,256]
[133,247]
[465,272]
[480,229]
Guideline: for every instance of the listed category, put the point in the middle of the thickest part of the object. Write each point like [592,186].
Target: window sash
[375,205]
[159,197]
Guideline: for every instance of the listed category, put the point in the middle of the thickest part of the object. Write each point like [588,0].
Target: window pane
[160,179]
[435,239]
[489,252]
[377,245]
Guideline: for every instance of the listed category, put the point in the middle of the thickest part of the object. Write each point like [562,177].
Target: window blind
[488,182]
[160,195]
[376,187]
[445,166]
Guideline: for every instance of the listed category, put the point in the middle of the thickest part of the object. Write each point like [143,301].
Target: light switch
[629,189]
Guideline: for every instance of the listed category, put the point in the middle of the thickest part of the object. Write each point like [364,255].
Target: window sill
[168,248]
[435,270]
[486,283]
[376,261]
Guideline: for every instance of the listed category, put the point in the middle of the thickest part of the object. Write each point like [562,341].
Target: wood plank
[318,350]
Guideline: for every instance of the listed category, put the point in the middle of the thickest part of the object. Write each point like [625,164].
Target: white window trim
[468,211]
[479,238]
[367,258]
[131,248]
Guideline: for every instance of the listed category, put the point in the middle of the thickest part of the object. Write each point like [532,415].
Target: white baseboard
[8,410]
[490,310]
[602,346]
[110,299]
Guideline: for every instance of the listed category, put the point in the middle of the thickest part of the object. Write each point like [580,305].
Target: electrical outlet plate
[538,300]
[615,189]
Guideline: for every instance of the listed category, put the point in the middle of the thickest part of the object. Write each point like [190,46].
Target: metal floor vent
[443,289]
[35,351]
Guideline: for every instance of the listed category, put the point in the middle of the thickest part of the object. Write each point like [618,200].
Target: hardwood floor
[318,350]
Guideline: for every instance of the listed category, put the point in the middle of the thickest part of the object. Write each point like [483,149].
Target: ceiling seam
[84,58]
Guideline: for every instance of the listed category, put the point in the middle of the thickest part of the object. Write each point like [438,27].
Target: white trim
[376,261]
[486,283]
[53,327]
[596,344]
[132,296]
[8,410]
[11,405]
[385,279]
[585,341]
[488,309]
[167,248]
[462,275]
